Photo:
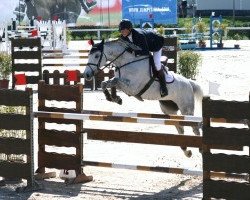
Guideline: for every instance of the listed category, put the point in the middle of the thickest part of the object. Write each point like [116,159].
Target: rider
[148,41]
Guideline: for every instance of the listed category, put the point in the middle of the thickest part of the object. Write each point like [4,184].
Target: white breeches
[157,59]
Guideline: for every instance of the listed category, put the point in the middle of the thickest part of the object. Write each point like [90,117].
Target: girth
[152,77]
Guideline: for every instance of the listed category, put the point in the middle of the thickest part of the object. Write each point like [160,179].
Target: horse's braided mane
[122,42]
[113,40]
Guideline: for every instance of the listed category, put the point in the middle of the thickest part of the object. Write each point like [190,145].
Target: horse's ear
[102,41]
[91,42]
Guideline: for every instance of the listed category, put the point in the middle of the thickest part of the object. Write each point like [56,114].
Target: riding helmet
[125,24]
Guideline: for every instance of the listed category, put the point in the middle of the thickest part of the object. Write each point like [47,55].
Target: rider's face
[125,32]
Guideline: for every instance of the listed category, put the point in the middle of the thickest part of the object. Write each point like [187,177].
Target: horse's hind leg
[187,152]
[169,107]
[188,109]
[196,130]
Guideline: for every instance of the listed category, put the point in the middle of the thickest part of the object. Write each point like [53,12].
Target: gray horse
[133,77]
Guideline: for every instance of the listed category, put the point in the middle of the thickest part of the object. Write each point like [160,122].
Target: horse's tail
[198,93]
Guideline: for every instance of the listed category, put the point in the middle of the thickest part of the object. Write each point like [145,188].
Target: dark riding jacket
[148,41]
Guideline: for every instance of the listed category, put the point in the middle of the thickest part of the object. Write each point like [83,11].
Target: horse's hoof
[119,101]
[108,99]
[188,153]
[107,95]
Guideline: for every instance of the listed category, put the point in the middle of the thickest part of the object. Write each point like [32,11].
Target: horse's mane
[124,43]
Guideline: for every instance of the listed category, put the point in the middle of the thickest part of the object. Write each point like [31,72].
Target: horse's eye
[96,56]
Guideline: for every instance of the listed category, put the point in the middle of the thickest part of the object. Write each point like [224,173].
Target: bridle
[98,65]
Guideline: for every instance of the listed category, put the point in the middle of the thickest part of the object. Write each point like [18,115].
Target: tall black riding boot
[162,80]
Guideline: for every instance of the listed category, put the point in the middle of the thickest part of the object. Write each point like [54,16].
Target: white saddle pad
[169,77]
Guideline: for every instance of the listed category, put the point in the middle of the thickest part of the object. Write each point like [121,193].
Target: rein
[118,68]
[105,66]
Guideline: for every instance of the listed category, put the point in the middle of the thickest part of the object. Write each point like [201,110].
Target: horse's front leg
[104,86]
[115,97]
[112,83]
[107,95]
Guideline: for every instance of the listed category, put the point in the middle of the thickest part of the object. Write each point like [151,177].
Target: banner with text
[157,11]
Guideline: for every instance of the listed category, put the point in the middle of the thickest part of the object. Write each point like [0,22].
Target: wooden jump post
[60,138]
[223,162]
[16,168]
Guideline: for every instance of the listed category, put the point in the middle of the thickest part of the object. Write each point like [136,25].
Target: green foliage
[237,37]
[68,35]
[160,30]
[115,34]
[201,27]
[78,38]
[5,65]
[188,28]
[188,63]
[105,35]
[223,28]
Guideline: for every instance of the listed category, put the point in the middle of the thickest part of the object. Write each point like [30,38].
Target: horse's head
[95,60]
